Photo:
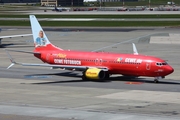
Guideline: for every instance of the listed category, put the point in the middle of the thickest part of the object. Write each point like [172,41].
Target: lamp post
[149,4]
[123,3]
[72,4]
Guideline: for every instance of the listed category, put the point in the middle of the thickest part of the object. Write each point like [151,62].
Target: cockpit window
[165,63]
[161,64]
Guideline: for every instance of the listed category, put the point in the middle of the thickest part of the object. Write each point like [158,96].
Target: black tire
[156,81]
[107,75]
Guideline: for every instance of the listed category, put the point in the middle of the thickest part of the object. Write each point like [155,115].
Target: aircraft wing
[65,67]
[53,66]
[11,36]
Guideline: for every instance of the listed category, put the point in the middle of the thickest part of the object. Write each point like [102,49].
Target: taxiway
[42,93]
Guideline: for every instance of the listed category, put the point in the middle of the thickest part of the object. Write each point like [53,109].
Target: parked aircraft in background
[94,65]
[57,9]
[61,9]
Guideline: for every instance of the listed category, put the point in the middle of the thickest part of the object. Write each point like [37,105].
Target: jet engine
[94,74]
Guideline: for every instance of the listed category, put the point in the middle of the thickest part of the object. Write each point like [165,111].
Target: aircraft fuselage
[125,64]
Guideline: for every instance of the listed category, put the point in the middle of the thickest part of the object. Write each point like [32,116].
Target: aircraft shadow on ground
[64,74]
[111,79]
[5,45]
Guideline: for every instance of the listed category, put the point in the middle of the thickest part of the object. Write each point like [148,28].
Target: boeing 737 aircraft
[94,65]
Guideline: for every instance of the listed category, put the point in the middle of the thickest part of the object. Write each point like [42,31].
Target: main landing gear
[0,41]
[156,79]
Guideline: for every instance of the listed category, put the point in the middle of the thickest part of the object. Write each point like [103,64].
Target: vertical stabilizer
[39,36]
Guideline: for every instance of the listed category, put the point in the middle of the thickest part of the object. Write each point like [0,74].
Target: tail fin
[39,36]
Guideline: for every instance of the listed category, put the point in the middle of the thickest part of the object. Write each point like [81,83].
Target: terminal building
[48,2]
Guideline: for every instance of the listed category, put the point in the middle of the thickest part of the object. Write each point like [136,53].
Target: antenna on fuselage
[134,49]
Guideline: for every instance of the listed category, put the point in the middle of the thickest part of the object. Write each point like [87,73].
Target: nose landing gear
[156,81]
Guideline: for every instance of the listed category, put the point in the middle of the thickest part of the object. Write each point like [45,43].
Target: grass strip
[93,23]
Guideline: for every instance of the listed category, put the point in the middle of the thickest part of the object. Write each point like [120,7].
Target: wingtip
[12,64]
[11,59]
[134,49]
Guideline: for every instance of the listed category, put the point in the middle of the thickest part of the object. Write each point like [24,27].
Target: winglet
[11,59]
[134,49]
[12,64]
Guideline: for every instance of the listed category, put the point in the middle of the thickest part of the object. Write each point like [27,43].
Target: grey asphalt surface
[41,93]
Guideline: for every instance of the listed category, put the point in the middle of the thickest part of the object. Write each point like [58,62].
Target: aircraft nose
[169,69]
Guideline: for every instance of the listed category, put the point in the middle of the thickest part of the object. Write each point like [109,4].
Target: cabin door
[98,61]
[148,65]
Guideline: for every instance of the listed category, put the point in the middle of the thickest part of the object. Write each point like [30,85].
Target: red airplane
[95,65]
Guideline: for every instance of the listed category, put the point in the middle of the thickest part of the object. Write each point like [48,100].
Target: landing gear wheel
[84,78]
[107,75]
[156,81]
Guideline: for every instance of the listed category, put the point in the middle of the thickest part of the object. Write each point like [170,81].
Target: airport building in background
[48,2]
[62,2]
[20,1]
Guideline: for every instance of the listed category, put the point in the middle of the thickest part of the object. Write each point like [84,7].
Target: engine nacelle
[94,73]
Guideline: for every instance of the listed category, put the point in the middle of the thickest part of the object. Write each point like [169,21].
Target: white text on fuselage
[65,61]
[133,60]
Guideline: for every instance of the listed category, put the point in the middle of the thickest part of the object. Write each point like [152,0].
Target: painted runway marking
[134,83]
[37,76]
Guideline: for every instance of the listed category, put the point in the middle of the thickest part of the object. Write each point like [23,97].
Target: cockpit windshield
[161,63]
